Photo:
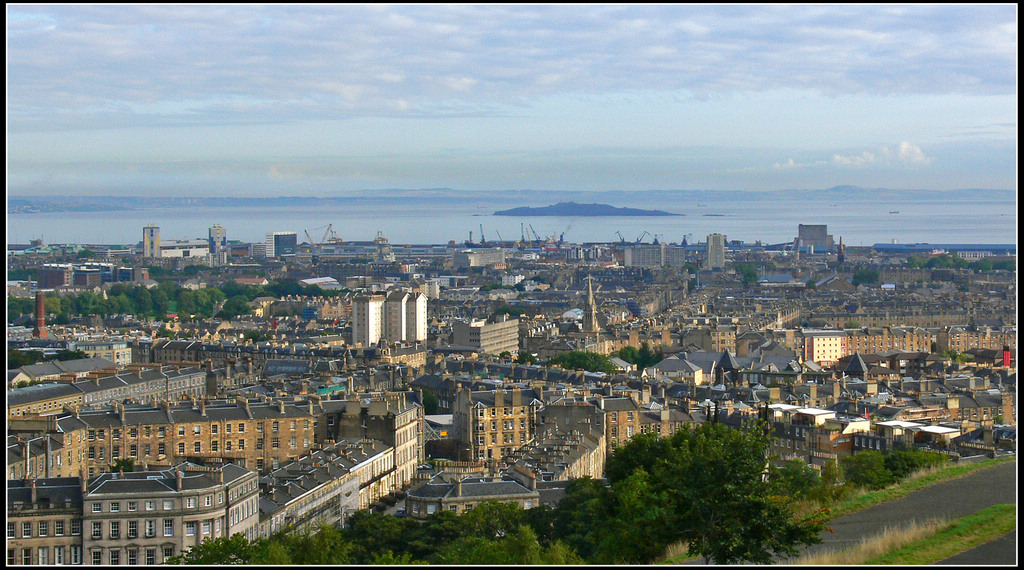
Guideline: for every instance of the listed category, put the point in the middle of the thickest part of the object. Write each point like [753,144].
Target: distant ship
[894,211]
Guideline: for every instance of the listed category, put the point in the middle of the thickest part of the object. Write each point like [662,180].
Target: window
[162,432]
[97,557]
[291,443]
[206,527]
[168,504]
[44,528]
[97,530]
[277,425]
[133,450]
[76,527]
[198,447]
[197,429]
[115,529]
[26,530]
[161,449]
[150,528]
[133,557]
[181,431]
[292,425]
[214,445]
[115,507]
[241,428]
[149,431]
[259,443]
[168,527]
[168,552]
[115,557]
[133,529]
[58,555]
[241,444]
[97,507]
[181,448]
[150,505]
[133,506]
[227,428]
[275,443]
[190,528]
[213,429]
[150,556]
[208,500]
[76,554]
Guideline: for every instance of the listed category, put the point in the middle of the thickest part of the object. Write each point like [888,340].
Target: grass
[923,543]
[875,546]
[959,536]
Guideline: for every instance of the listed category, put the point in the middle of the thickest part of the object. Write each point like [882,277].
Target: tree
[581,360]
[123,464]
[710,486]
[867,469]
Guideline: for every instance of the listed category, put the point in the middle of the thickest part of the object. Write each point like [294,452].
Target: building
[151,241]
[218,239]
[825,347]
[463,494]
[260,435]
[367,319]
[814,239]
[54,275]
[714,252]
[494,423]
[478,257]
[487,337]
[399,316]
[282,243]
[116,351]
[141,517]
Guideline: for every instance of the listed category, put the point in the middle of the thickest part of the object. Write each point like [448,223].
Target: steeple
[590,311]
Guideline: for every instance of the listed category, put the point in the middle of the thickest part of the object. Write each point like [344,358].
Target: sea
[420,220]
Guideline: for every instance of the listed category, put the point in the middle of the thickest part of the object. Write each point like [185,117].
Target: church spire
[590,311]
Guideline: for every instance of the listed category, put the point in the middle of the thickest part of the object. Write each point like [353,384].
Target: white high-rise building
[399,316]
[367,319]
[715,252]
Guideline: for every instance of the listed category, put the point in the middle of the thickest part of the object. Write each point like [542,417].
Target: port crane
[483,240]
[621,239]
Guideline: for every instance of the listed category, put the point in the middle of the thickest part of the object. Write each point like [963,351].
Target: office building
[488,337]
[282,243]
[399,316]
[813,238]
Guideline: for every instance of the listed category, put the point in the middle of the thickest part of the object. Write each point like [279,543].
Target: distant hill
[574,209]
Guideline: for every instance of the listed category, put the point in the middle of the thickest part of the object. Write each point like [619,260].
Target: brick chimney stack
[40,328]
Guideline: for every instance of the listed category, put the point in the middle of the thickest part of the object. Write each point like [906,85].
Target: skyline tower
[151,241]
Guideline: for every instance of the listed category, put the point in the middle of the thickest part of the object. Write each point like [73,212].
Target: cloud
[489,55]
[905,153]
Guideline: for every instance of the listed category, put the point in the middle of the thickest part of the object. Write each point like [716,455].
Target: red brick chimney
[40,329]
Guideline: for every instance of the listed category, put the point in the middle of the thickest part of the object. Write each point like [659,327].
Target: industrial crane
[621,239]
[483,240]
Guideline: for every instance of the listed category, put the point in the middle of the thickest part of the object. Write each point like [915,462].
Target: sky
[218,100]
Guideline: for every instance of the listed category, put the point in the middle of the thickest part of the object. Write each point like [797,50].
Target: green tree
[430,404]
[526,358]
[794,478]
[710,484]
[903,462]
[234,549]
[126,464]
[864,276]
[867,469]
[581,360]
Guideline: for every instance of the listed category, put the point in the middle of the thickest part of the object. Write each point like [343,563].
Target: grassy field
[958,536]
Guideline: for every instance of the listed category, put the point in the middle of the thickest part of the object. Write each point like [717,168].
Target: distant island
[574,209]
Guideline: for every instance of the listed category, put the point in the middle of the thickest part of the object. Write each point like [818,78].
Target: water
[422,221]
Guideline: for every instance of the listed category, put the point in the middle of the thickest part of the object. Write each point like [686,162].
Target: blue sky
[279,100]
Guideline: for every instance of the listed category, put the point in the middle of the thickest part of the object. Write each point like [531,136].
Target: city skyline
[299,100]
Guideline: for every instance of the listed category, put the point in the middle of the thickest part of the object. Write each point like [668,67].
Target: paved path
[949,500]
[1002,550]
